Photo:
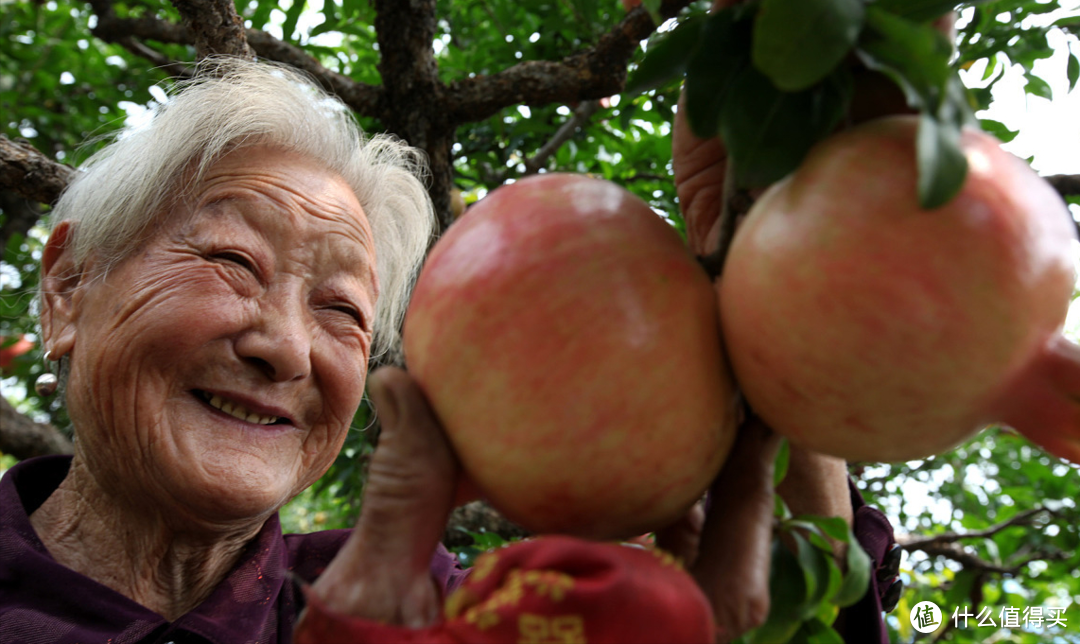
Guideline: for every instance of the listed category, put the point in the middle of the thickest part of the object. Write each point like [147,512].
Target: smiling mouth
[237,410]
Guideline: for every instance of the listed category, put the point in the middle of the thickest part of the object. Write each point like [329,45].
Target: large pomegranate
[862,326]
[569,344]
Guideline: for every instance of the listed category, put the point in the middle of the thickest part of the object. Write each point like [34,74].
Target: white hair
[232,103]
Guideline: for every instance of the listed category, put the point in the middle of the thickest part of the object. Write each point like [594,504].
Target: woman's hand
[383,571]
[729,555]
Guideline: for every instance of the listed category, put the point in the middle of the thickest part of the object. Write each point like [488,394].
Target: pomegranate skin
[569,344]
[864,327]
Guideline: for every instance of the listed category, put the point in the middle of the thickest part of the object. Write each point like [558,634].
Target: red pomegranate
[14,350]
[862,326]
[569,344]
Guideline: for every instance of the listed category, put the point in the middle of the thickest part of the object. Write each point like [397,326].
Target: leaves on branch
[797,43]
[772,77]
[916,56]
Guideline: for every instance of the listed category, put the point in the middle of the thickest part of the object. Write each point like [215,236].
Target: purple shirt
[864,621]
[42,601]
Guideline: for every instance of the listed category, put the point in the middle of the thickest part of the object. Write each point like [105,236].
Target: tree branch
[161,61]
[407,65]
[1067,185]
[971,561]
[21,213]
[29,173]
[591,74]
[1023,518]
[110,28]
[478,516]
[413,102]
[216,27]
[580,117]
[946,545]
[23,438]
[362,98]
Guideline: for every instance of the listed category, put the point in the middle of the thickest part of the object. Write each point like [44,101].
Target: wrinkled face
[219,367]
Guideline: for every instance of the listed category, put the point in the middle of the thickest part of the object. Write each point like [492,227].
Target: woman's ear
[59,278]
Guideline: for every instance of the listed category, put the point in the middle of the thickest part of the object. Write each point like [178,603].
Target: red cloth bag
[547,590]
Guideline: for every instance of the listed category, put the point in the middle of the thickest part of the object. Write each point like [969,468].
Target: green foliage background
[59,86]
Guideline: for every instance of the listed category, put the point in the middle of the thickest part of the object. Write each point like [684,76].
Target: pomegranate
[569,344]
[14,350]
[862,326]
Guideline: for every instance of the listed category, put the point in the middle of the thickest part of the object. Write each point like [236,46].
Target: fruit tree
[497,90]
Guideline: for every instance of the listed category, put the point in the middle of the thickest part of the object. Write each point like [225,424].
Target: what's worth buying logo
[925,617]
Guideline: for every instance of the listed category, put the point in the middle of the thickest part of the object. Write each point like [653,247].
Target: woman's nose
[278,343]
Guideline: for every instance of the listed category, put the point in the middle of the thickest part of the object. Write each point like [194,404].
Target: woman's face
[217,369]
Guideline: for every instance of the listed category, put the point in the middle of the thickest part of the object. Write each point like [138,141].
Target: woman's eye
[236,258]
[351,312]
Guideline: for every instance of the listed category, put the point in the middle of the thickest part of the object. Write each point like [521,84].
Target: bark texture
[478,516]
[29,173]
[215,27]
[412,102]
[23,438]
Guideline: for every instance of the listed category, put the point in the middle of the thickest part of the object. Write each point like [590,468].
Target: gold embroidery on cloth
[549,583]
[485,614]
[484,565]
[667,559]
[465,602]
[560,629]
[458,601]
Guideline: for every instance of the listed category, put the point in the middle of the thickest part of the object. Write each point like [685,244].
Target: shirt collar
[245,607]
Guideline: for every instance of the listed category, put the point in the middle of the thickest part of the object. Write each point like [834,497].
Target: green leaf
[915,56]
[917,10]
[823,578]
[834,527]
[667,57]
[721,57]
[330,12]
[1038,87]
[960,591]
[799,42]
[1073,71]
[857,576]
[787,592]
[1068,23]
[998,129]
[769,132]
[942,164]
[783,457]
[261,15]
[780,509]
[922,10]
[991,67]
[653,7]
[292,16]
[816,631]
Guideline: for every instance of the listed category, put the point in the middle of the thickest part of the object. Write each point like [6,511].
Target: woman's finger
[382,572]
[732,567]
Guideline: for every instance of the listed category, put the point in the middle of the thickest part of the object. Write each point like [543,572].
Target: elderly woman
[214,288]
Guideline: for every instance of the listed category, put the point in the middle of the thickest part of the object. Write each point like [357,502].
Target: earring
[46,383]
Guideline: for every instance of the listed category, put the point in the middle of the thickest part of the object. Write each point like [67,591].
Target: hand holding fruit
[569,344]
[382,572]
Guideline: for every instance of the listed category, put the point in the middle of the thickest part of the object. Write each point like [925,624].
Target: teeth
[238,411]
